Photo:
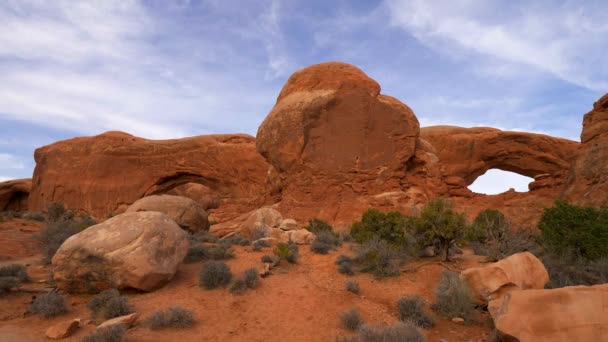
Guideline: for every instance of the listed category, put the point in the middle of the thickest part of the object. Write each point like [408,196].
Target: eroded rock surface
[14,194]
[139,250]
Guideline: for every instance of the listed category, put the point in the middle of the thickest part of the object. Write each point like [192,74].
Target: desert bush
[508,244]
[251,277]
[379,258]
[288,251]
[195,253]
[202,236]
[439,224]
[316,226]
[109,304]
[14,270]
[570,229]
[411,308]
[259,244]
[61,225]
[259,233]
[351,320]
[49,305]
[353,286]
[219,251]
[489,225]
[238,285]
[112,333]
[345,264]
[393,227]
[453,297]
[8,282]
[570,270]
[346,237]
[9,214]
[319,247]
[400,332]
[174,317]
[33,216]
[236,240]
[273,260]
[215,274]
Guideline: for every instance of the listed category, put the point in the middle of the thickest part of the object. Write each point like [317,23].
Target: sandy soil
[300,302]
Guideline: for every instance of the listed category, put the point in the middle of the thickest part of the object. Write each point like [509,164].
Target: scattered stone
[458,320]
[127,320]
[63,329]
[301,236]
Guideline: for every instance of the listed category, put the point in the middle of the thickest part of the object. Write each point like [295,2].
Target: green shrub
[393,227]
[61,225]
[109,304]
[49,305]
[316,225]
[400,332]
[351,320]
[288,251]
[215,274]
[489,225]
[566,228]
[15,270]
[439,224]
[379,258]
[411,308]
[7,283]
[174,317]
[112,333]
[353,286]
[33,217]
[453,297]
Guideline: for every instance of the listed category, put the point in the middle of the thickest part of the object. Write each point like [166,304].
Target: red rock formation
[106,173]
[588,181]
[14,194]
[333,138]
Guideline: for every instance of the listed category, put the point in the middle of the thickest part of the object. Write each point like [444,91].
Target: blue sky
[168,69]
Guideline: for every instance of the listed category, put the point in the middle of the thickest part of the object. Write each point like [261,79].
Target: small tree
[393,227]
[441,225]
[490,225]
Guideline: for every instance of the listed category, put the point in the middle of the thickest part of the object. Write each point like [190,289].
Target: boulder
[288,224]
[588,177]
[104,174]
[139,250]
[127,320]
[63,329]
[301,236]
[14,194]
[519,271]
[187,213]
[576,313]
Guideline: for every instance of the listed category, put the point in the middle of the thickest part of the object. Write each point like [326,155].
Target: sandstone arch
[14,194]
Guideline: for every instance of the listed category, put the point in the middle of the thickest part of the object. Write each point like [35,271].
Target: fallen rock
[458,320]
[14,194]
[428,252]
[139,250]
[184,211]
[575,313]
[127,320]
[261,220]
[63,329]
[519,271]
[301,236]
[288,224]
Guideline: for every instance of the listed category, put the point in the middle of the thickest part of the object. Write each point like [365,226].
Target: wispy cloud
[567,41]
[10,162]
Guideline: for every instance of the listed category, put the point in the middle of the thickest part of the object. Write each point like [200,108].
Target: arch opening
[496,181]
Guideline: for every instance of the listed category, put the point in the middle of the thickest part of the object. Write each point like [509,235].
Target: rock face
[519,271]
[576,313]
[139,250]
[187,213]
[331,135]
[14,194]
[106,173]
[588,181]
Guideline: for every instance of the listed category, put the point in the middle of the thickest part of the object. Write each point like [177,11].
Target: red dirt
[299,302]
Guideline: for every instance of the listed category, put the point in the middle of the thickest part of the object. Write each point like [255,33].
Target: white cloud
[498,181]
[566,41]
[10,162]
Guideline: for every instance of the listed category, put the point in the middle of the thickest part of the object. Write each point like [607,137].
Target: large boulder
[187,213]
[519,271]
[139,250]
[251,223]
[576,313]
[588,179]
[14,194]
[333,138]
[106,173]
